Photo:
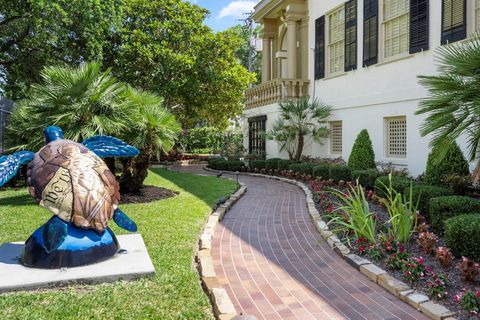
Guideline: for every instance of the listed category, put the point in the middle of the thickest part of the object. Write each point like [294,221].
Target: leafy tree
[39,33]
[453,104]
[453,163]
[299,120]
[362,156]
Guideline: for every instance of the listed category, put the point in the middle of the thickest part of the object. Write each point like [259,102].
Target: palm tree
[153,130]
[83,101]
[453,105]
[299,120]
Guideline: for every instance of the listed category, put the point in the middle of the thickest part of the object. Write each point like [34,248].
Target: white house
[362,57]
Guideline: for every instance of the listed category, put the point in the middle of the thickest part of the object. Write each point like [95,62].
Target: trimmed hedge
[257,164]
[454,163]
[462,235]
[399,184]
[443,208]
[284,164]
[365,177]
[307,168]
[340,172]
[219,164]
[234,165]
[422,193]
[295,167]
[362,156]
[272,163]
[321,170]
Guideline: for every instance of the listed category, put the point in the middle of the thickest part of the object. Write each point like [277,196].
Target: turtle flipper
[123,221]
[10,164]
[106,146]
[54,233]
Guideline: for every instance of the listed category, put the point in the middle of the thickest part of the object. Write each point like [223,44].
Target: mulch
[147,194]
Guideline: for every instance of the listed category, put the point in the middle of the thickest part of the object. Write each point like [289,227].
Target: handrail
[275,91]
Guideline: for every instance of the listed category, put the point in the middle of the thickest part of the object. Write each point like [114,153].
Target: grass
[170,229]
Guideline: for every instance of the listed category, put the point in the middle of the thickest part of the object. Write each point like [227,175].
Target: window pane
[396,27]
[336,40]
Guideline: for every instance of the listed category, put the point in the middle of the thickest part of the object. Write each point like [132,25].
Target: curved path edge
[396,287]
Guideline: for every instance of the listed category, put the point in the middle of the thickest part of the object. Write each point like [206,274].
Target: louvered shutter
[320,48]
[370,32]
[454,26]
[351,35]
[419,25]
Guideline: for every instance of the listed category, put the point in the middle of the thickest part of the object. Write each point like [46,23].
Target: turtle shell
[73,183]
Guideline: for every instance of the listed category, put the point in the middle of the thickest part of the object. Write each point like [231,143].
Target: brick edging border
[376,274]
[223,307]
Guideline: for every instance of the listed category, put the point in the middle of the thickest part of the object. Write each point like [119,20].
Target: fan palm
[453,104]
[299,120]
[83,100]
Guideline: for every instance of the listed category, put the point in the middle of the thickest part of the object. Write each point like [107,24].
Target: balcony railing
[275,91]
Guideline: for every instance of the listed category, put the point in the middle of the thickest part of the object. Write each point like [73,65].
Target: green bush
[257,164]
[295,167]
[362,156]
[219,164]
[398,184]
[422,193]
[365,177]
[454,163]
[272,163]
[235,165]
[322,170]
[462,235]
[206,139]
[443,208]
[340,172]
[284,164]
[307,168]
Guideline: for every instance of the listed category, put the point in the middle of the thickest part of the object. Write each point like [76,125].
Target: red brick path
[274,264]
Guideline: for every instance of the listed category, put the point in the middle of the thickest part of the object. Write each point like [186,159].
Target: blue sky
[224,13]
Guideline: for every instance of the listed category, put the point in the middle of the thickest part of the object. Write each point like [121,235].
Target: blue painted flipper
[123,221]
[54,233]
[106,146]
[10,164]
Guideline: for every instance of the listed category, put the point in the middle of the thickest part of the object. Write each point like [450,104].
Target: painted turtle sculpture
[74,183]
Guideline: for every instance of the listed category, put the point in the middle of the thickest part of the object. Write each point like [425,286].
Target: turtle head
[52,133]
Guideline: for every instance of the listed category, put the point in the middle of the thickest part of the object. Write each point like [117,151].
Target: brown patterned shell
[72,182]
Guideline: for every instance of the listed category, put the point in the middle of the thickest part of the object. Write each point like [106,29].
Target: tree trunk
[476,174]
[135,171]
[299,147]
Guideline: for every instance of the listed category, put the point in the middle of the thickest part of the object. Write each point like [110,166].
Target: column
[292,48]
[266,59]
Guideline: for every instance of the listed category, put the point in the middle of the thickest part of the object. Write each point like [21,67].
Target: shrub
[362,156]
[307,168]
[422,193]
[442,208]
[469,269]
[426,241]
[284,164]
[399,184]
[321,170]
[444,256]
[219,164]
[272,163]
[462,235]
[340,172]
[365,177]
[454,163]
[235,165]
[257,164]
[295,167]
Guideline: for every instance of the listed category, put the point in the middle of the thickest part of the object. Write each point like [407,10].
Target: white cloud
[236,9]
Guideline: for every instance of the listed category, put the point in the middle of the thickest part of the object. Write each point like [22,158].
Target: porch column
[266,59]
[292,48]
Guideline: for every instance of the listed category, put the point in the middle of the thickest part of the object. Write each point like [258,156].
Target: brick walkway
[274,264]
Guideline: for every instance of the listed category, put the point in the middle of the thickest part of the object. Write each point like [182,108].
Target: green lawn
[170,229]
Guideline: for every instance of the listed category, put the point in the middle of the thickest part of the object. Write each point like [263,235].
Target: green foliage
[232,145]
[307,168]
[272,163]
[422,193]
[362,156]
[462,235]
[257,164]
[398,184]
[235,165]
[453,163]
[284,164]
[322,170]
[218,164]
[299,120]
[295,167]
[209,138]
[365,177]
[442,208]
[340,172]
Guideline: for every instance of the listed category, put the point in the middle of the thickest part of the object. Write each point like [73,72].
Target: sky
[225,13]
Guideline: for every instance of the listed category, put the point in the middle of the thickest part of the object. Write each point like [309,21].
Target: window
[320,48]
[396,27]
[336,137]
[370,32]
[256,138]
[396,137]
[336,40]
[350,35]
[453,20]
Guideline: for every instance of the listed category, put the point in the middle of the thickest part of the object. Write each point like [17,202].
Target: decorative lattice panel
[396,21]
[336,137]
[336,40]
[396,130]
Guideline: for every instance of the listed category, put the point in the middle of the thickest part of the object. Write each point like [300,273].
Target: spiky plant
[299,120]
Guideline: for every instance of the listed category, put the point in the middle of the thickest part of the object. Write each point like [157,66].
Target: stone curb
[223,308]
[376,274]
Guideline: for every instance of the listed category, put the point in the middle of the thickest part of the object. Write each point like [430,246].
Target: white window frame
[473,23]
[331,149]
[328,73]
[387,121]
[382,35]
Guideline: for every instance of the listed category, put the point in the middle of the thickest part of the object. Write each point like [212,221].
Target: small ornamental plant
[396,261]
[469,269]
[444,256]
[469,300]
[423,227]
[414,269]
[437,286]
[426,241]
